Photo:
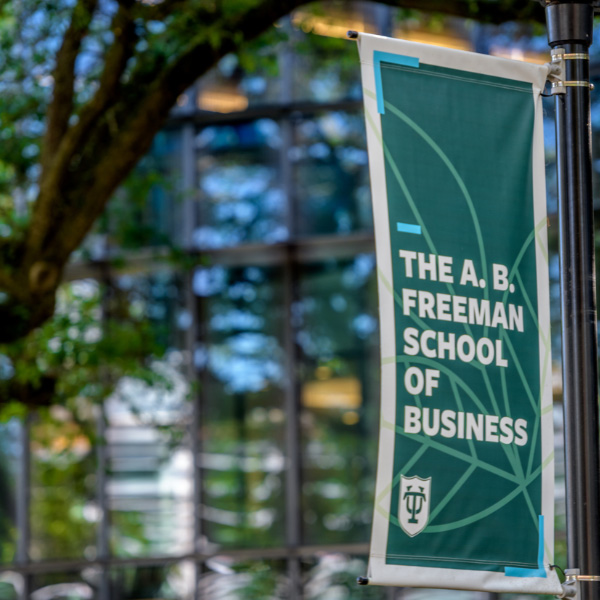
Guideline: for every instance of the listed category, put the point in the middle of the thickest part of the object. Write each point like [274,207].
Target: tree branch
[160,11]
[123,118]
[61,106]
[58,169]
[142,115]
[485,11]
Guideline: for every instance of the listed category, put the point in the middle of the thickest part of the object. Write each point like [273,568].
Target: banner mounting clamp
[556,71]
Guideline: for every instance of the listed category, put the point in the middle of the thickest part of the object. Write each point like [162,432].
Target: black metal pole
[570,28]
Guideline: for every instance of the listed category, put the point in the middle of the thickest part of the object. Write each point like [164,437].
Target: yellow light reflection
[339,25]
[330,26]
[338,392]
[444,40]
[223,100]
[323,372]
[350,417]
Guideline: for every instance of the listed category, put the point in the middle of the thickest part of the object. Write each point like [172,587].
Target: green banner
[461,245]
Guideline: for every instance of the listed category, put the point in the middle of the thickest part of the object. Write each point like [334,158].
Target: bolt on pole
[570,26]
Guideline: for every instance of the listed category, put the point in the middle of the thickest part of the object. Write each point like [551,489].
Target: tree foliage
[85,85]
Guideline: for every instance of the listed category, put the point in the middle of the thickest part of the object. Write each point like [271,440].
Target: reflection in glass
[152,304]
[164,172]
[240,195]
[231,86]
[325,67]
[63,512]
[9,454]
[331,175]
[242,378]
[149,486]
[145,212]
[332,576]
[224,578]
[11,585]
[172,582]
[149,481]
[62,586]
[550,156]
[338,336]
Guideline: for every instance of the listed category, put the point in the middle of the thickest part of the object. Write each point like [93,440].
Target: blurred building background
[238,461]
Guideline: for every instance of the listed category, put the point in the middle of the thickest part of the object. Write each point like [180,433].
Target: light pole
[570,26]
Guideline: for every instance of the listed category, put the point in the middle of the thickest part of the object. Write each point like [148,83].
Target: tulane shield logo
[413,511]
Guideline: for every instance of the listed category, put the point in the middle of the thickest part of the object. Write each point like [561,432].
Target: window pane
[150,482]
[149,459]
[240,195]
[134,360]
[171,582]
[146,211]
[11,585]
[150,308]
[325,67]
[10,451]
[242,382]
[63,512]
[331,175]
[62,586]
[333,575]
[233,86]
[225,578]
[339,398]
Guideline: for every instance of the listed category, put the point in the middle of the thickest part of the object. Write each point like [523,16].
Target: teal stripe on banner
[388,57]
[540,571]
[408,228]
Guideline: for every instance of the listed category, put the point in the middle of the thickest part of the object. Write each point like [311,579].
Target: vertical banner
[465,482]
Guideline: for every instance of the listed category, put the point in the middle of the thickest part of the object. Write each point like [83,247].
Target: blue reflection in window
[239,184]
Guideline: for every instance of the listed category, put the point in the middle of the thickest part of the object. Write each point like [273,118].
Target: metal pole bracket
[570,588]
[556,71]
[571,585]
[582,577]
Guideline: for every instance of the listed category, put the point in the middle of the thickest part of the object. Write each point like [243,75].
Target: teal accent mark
[540,571]
[395,59]
[408,228]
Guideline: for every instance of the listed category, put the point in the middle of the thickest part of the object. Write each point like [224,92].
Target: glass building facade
[239,461]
